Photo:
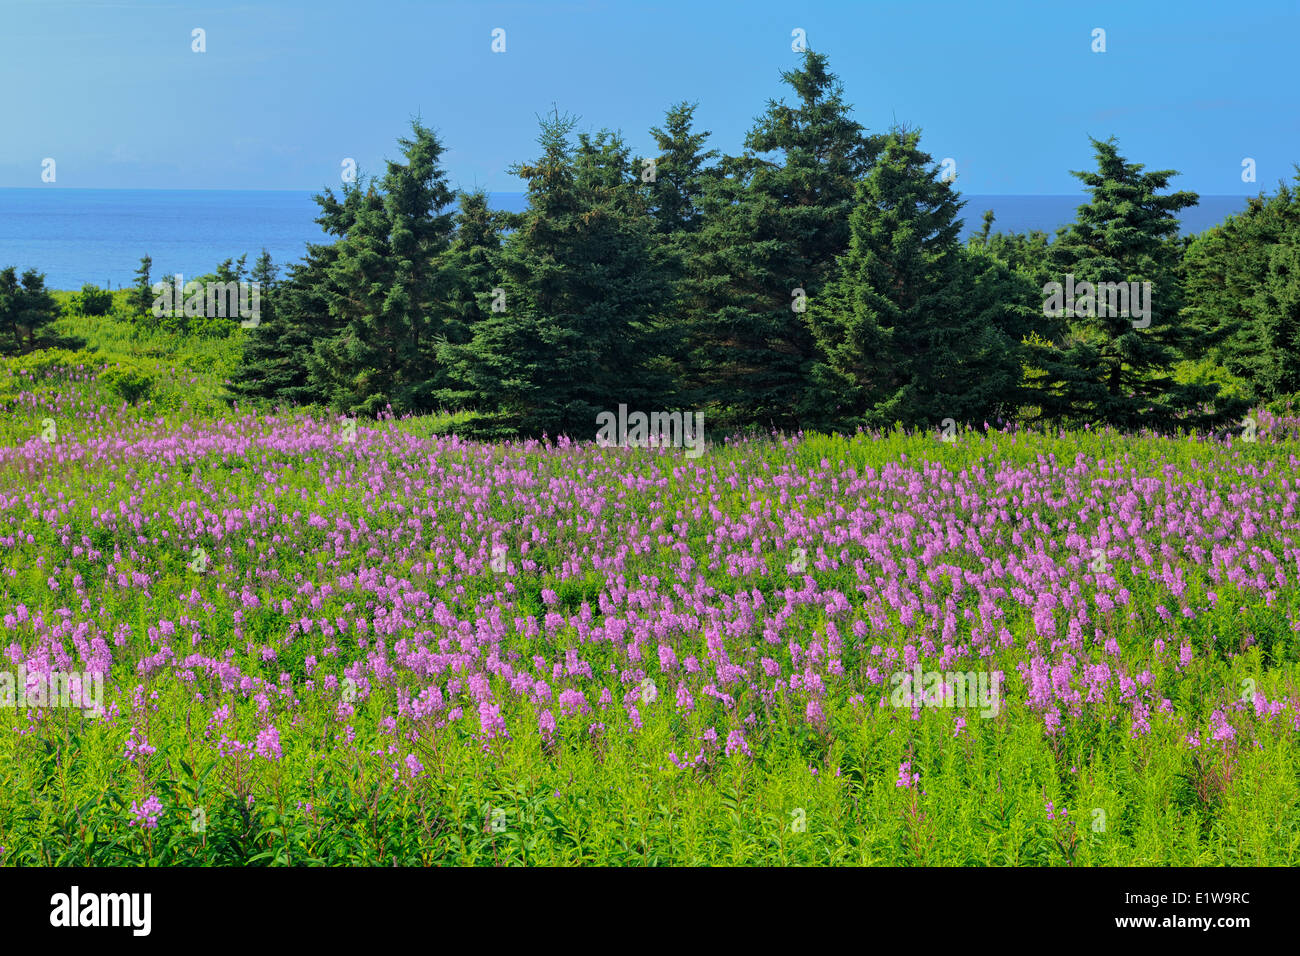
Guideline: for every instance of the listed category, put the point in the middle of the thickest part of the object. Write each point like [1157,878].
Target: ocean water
[76,236]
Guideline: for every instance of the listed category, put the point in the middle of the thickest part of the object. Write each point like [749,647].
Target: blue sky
[288,88]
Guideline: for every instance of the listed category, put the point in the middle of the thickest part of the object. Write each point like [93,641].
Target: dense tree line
[815,280]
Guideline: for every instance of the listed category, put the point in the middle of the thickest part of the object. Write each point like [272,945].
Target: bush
[1285,405]
[92,300]
[130,383]
[1205,372]
[51,363]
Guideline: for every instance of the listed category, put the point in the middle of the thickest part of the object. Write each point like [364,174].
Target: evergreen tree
[26,310]
[232,270]
[1009,271]
[259,349]
[141,298]
[1024,253]
[909,327]
[1103,366]
[383,288]
[264,276]
[472,277]
[582,282]
[775,221]
[683,171]
[296,317]
[1282,315]
[1232,276]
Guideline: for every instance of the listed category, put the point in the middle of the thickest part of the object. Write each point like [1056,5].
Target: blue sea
[76,236]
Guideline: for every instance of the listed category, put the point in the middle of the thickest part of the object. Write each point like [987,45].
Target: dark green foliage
[469,265]
[582,283]
[1025,253]
[26,310]
[142,296]
[383,287]
[262,373]
[1240,289]
[680,283]
[295,317]
[912,328]
[1282,304]
[682,173]
[1110,369]
[774,223]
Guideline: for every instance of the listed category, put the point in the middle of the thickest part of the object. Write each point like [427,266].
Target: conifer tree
[906,330]
[142,296]
[1236,295]
[279,352]
[26,310]
[1104,367]
[582,282]
[775,221]
[472,279]
[384,285]
[682,172]
[1282,315]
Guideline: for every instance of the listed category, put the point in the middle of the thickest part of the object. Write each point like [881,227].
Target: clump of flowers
[906,778]
[145,815]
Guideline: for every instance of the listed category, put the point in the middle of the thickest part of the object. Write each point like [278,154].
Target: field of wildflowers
[376,644]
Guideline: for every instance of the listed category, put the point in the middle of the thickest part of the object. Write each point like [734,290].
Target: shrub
[50,363]
[92,300]
[131,383]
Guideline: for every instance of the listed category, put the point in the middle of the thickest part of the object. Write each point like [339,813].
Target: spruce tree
[141,298]
[384,285]
[279,352]
[1282,315]
[582,281]
[684,172]
[471,278]
[908,327]
[775,221]
[26,310]
[1103,367]
[1228,274]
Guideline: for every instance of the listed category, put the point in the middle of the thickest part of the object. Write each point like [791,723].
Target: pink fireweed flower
[268,743]
[1220,729]
[490,719]
[146,814]
[905,776]
[736,742]
[137,746]
[573,702]
[546,725]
